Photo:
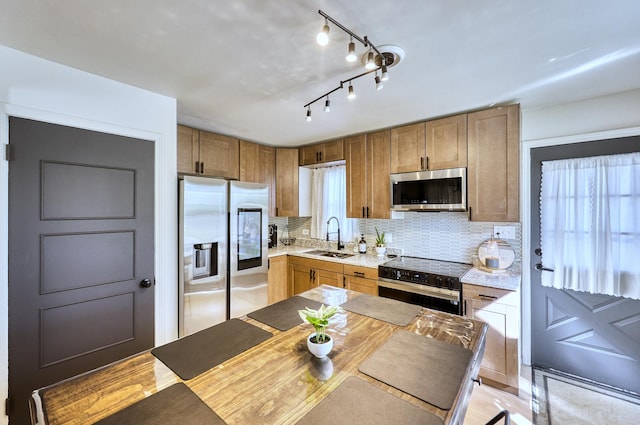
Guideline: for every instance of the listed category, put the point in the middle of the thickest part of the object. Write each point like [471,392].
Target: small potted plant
[319,343]
[380,247]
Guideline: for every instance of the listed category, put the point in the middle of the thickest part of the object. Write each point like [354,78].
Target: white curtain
[590,224]
[330,199]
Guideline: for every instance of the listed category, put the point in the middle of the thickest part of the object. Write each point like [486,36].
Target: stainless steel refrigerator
[223,232]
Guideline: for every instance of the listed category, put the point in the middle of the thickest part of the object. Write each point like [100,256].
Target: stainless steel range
[430,283]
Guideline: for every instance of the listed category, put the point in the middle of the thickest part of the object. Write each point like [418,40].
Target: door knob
[146,283]
[538,252]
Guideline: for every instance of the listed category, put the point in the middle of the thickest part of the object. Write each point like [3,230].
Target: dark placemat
[190,356]
[430,370]
[392,311]
[356,401]
[176,405]
[283,315]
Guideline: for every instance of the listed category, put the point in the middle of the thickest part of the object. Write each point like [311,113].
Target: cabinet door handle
[201,167]
[470,217]
[367,212]
[426,163]
[310,274]
[363,216]
[197,167]
[422,163]
[344,282]
[359,274]
[464,308]
[487,297]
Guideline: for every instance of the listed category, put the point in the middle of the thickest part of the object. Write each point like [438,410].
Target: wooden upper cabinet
[356,175]
[258,165]
[287,182]
[367,163]
[322,152]
[187,149]
[209,154]
[493,168]
[308,155]
[219,155]
[408,148]
[446,143]
[378,170]
[434,145]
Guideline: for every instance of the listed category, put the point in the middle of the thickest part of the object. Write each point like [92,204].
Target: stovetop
[427,265]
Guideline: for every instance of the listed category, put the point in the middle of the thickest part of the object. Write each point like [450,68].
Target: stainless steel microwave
[439,190]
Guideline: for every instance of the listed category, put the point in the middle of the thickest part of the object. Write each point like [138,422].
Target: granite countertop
[362,260]
[509,280]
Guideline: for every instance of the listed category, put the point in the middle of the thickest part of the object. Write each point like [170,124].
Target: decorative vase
[380,250]
[319,350]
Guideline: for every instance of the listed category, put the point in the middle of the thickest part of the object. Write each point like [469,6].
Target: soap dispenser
[362,245]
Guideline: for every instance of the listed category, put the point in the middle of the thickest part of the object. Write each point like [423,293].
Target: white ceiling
[247,67]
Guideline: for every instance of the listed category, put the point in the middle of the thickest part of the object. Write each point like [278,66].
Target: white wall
[33,88]
[598,118]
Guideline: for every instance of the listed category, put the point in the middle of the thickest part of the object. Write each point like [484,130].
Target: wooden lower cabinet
[306,273]
[278,286]
[361,279]
[500,309]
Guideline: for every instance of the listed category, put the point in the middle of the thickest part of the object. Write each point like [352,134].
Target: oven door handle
[430,291]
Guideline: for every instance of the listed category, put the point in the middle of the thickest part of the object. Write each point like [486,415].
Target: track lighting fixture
[385,74]
[379,84]
[370,62]
[351,56]
[323,36]
[373,56]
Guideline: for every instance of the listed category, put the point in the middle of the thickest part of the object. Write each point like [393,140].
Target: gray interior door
[80,246]
[593,336]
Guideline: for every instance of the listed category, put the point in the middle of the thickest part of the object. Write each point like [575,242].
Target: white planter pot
[319,350]
[380,250]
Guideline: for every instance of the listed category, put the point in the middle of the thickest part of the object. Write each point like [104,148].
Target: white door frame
[165,321]
[525,207]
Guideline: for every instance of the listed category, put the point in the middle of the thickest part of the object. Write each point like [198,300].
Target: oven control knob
[449,283]
[439,281]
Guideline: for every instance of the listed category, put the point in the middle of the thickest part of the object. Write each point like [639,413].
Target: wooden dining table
[274,382]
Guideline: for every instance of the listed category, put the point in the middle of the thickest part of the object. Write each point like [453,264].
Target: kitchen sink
[330,254]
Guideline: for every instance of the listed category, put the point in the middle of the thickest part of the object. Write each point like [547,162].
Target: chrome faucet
[340,244]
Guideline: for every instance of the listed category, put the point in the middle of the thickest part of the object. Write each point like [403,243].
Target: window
[590,221]
[329,200]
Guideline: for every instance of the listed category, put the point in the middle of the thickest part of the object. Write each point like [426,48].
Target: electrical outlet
[388,237]
[305,232]
[506,232]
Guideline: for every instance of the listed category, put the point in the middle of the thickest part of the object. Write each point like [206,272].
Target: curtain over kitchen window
[329,199]
[590,221]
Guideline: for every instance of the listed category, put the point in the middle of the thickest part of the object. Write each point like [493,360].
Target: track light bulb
[370,62]
[352,94]
[379,84]
[327,105]
[309,113]
[351,56]
[385,74]
[323,36]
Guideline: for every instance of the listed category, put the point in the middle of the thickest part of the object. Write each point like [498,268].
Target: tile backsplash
[446,236]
